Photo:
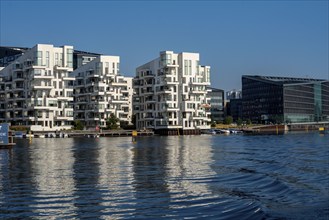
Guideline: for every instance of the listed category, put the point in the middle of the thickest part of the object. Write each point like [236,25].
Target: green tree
[78,125]
[248,122]
[277,119]
[213,124]
[239,122]
[228,120]
[112,122]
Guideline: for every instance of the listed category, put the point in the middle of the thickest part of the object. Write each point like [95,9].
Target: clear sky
[275,38]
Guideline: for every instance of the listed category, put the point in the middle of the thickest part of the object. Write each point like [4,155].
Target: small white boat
[29,135]
[224,131]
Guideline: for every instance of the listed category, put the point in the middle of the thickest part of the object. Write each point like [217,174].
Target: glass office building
[284,99]
[217,104]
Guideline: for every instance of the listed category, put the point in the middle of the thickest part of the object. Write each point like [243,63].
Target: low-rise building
[285,99]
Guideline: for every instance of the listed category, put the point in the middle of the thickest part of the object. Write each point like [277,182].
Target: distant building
[234,104]
[217,104]
[99,91]
[81,58]
[285,99]
[235,109]
[36,89]
[233,94]
[171,94]
[9,54]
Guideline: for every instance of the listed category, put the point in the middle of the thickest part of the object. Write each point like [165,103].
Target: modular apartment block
[36,90]
[170,94]
[100,91]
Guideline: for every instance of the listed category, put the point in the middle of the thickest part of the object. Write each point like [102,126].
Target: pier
[87,133]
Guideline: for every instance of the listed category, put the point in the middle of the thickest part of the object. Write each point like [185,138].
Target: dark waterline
[191,177]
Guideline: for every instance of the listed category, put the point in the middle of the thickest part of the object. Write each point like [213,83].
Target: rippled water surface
[211,177]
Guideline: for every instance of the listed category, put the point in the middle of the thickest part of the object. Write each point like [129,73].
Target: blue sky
[277,38]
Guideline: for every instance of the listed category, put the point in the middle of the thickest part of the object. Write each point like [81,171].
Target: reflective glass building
[285,99]
[217,104]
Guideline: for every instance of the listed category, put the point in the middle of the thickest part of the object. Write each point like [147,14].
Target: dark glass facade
[283,99]
[217,104]
[307,102]
[235,109]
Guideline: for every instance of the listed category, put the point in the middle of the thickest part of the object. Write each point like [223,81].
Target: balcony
[148,74]
[122,100]
[170,81]
[68,78]
[165,90]
[119,83]
[18,78]
[199,83]
[198,91]
[63,117]
[17,88]
[148,92]
[42,76]
[149,101]
[60,67]
[41,85]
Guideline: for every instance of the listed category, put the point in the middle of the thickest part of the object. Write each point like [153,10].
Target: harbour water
[175,177]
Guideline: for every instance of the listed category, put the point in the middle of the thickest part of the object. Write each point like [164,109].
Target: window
[99,68]
[56,59]
[190,67]
[60,59]
[70,57]
[197,66]
[107,67]
[47,58]
[38,58]
[185,67]
[69,114]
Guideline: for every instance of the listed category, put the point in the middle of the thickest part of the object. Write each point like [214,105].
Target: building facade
[216,104]
[233,94]
[234,104]
[36,89]
[81,58]
[285,99]
[99,91]
[170,94]
[235,109]
[9,54]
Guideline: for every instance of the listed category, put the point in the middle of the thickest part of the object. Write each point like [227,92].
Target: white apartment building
[171,94]
[100,91]
[36,90]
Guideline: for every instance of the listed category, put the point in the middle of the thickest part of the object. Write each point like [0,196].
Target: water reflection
[52,164]
[189,165]
[17,186]
[86,172]
[116,176]
[149,168]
